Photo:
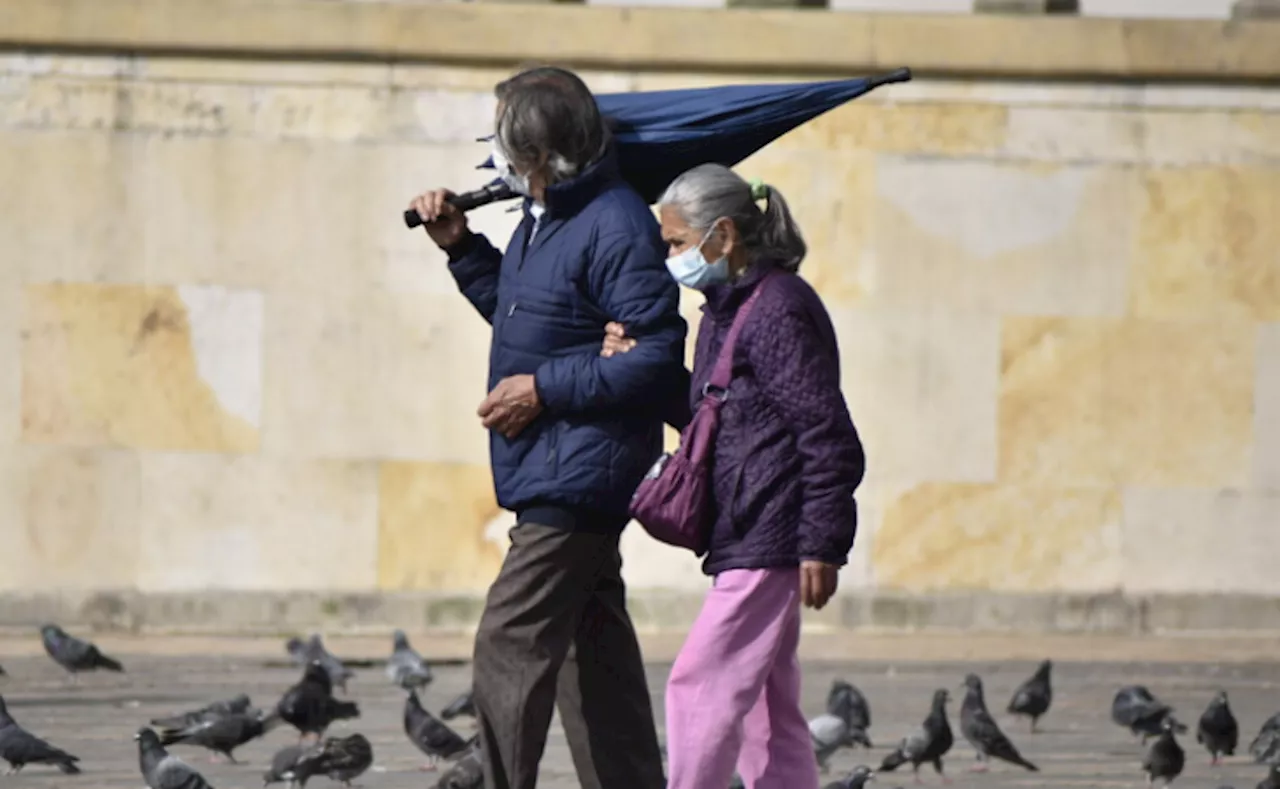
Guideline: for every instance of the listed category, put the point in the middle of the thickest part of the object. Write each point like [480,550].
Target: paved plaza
[1079,746]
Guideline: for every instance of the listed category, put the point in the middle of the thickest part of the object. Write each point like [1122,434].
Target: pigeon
[1265,748]
[163,770]
[1218,730]
[829,733]
[209,712]
[1165,758]
[73,654]
[1136,709]
[293,764]
[20,747]
[1033,697]
[466,773]
[928,744]
[431,735]
[310,707]
[3,673]
[221,735]
[854,780]
[847,703]
[406,668]
[345,758]
[1272,781]
[463,705]
[982,732]
[312,649]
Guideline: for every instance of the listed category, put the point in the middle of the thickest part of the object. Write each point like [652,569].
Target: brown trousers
[555,631]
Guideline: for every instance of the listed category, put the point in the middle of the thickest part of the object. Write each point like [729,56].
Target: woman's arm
[675,404]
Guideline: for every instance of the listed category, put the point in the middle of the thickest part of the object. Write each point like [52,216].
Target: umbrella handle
[897,75]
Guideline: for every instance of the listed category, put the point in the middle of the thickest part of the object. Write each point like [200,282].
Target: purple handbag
[672,501]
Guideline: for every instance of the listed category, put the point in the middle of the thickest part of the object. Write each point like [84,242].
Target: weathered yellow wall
[225,364]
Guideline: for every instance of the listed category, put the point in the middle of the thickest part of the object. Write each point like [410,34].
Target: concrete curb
[268,613]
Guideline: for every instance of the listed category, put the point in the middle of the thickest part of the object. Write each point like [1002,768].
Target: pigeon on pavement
[310,707]
[20,747]
[928,744]
[431,735]
[1218,730]
[406,668]
[466,773]
[1135,708]
[221,735]
[1033,697]
[463,705]
[73,654]
[313,649]
[209,712]
[1165,758]
[982,732]
[292,764]
[344,758]
[1265,748]
[829,733]
[847,703]
[163,770]
[854,780]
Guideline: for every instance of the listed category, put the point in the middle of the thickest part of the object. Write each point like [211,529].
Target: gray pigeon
[313,649]
[163,770]
[1165,758]
[854,780]
[1218,730]
[928,744]
[1135,708]
[430,735]
[463,705]
[466,773]
[406,668]
[20,747]
[212,711]
[847,703]
[73,654]
[1265,748]
[294,765]
[221,735]
[310,707]
[1033,697]
[1272,781]
[344,758]
[982,732]
[829,733]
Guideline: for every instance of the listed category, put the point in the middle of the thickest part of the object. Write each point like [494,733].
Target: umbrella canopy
[661,134]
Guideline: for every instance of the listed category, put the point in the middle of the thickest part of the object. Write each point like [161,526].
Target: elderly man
[571,433]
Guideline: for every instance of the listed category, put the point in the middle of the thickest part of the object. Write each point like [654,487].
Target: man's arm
[474,264]
[629,282]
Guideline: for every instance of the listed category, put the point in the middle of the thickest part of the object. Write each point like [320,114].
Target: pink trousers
[734,691]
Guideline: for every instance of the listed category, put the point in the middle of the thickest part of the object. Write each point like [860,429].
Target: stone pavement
[1078,748]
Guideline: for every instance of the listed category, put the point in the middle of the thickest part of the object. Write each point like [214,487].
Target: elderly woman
[784,468]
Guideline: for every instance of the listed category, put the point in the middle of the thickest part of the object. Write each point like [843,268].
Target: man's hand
[443,222]
[615,340]
[511,406]
[817,583]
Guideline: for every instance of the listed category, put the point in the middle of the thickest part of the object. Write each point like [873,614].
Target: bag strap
[722,373]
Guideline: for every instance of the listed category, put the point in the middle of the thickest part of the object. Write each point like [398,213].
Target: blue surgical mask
[518,183]
[691,269]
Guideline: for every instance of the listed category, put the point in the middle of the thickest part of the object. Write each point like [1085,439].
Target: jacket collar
[724,300]
[569,197]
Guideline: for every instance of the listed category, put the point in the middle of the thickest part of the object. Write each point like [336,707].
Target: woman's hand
[615,340]
[818,582]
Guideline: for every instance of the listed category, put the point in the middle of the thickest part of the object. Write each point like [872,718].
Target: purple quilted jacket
[787,457]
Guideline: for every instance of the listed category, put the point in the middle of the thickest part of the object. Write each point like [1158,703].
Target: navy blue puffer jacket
[597,256]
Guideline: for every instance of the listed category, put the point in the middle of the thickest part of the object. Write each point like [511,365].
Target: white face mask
[518,183]
[691,269]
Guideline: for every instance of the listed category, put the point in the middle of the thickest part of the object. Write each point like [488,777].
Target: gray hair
[549,112]
[712,191]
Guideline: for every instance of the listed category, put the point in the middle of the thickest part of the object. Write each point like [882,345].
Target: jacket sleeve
[474,264]
[798,369]
[629,282]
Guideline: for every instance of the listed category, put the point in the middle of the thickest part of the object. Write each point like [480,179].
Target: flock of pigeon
[1134,707]
[310,707]
[223,726]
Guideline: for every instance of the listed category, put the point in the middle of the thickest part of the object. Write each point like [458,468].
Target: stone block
[973,235]
[1204,249]
[142,367]
[1199,541]
[1008,538]
[439,527]
[359,374]
[939,129]
[255,523]
[1088,402]
[1266,410]
[70,519]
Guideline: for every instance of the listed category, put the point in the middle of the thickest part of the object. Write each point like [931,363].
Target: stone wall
[235,392]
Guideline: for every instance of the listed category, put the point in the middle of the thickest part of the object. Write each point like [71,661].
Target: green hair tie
[759,189]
